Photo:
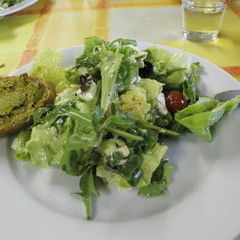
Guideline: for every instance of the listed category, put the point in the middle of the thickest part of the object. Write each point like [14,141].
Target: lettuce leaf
[134,101]
[110,64]
[128,73]
[45,147]
[151,161]
[152,87]
[159,58]
[115,63]
[175,78]
[159,182]
[175,71]
[60,133]
[112,177]
[19,145]
[179,60]
[164,61]
[94,53]
[201,116]
[46,66]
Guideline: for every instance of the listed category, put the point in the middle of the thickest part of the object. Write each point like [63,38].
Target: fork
[223,96]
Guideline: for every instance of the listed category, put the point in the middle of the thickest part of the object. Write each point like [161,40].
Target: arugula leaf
[150,139]
[88,190]
[72,163]
[88,62]
[127,126]
[121,120]
[152,190]
[97,118]
[72,75]
[177,127]
[161,130]
[189,86]
[124,134]
[118,124]
[92,44]
[133,163]
[114,160]
[160,119]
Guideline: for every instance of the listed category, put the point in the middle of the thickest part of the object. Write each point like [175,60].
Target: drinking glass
[202,19]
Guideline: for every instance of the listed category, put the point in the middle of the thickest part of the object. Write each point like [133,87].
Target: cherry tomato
[175,101]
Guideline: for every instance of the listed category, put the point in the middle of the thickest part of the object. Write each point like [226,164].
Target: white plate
[203,202]
[17,7]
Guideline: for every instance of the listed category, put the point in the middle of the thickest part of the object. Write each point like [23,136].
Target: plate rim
[16,8]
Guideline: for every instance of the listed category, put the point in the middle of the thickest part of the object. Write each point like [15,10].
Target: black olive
[85,82]
[146,71]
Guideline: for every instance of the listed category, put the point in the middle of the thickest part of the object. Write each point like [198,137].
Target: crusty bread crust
[49,95]
[13,130]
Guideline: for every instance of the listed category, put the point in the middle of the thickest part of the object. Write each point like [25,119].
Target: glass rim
[204,3]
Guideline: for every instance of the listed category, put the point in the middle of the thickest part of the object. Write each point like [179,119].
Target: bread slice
[20,96]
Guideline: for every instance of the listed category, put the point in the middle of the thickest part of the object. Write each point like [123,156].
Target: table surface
[58,24]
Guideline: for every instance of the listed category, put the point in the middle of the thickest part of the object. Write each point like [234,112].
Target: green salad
[8,3]
[113,112]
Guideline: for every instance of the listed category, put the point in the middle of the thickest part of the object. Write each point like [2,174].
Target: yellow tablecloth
[59,24]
